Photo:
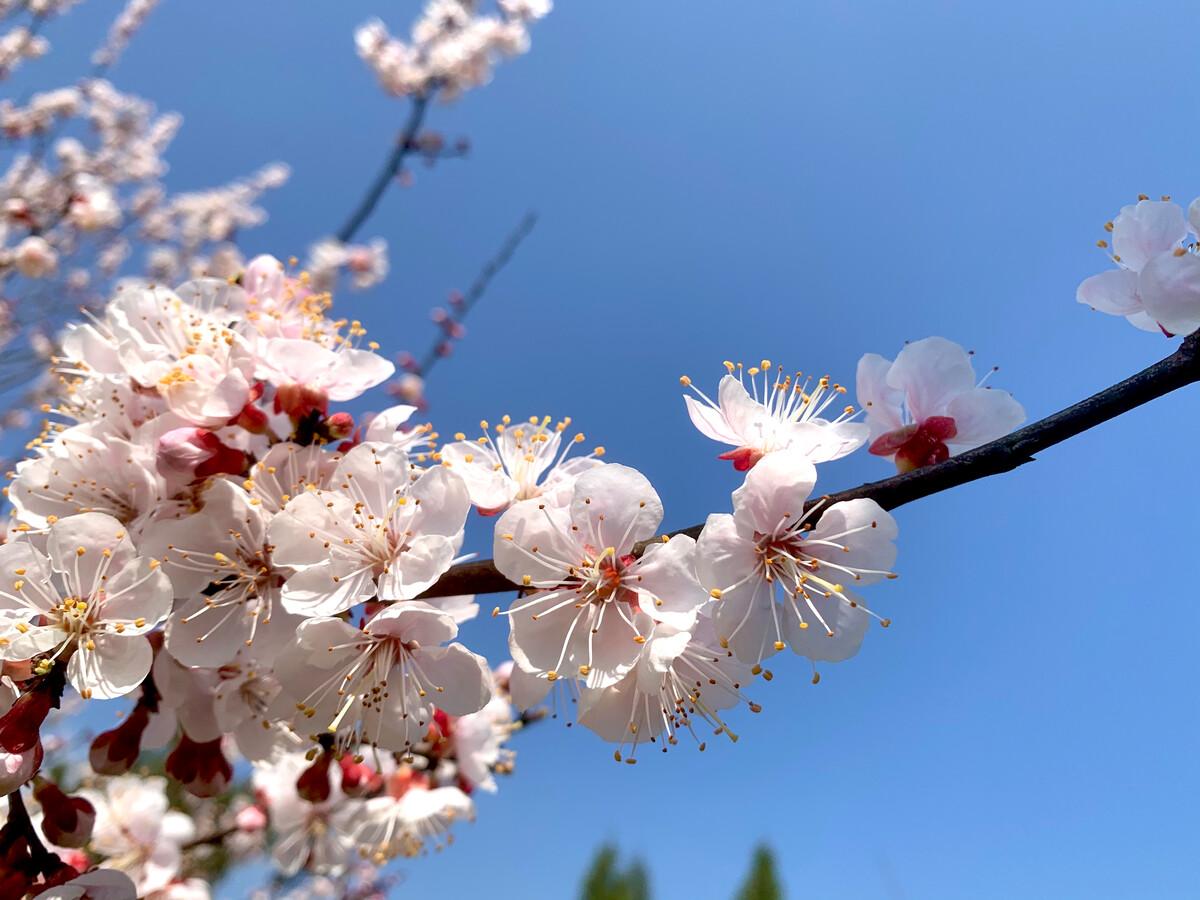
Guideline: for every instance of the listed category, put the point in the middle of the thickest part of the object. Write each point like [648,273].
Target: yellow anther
[684,380]
[715,593]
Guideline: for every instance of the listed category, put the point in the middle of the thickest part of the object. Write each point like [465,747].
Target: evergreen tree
[606,880]
[762,881]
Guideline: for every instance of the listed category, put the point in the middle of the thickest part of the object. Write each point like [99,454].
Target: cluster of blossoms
[1156,284]
[453,48]
[200,531]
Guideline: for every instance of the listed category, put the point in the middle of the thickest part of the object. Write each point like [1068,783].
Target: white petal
[865,529]
[881,402]
[1114,292]
[931,372]
[740,411]
[464,678]
[328,588]
[1170,288]
[982,415]
[615,506]
[117,665]
[848,624]
[93,533]
[773,494]
[1146,230]
[384,425]
[723,556]
[709,422]
[444,502]
[531,525]
[414,571]
[666,582]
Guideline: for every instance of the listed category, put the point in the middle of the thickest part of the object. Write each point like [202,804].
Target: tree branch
[479,287]
[406,143]
[1178,370]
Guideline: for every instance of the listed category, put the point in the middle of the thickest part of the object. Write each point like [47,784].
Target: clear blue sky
[807,182]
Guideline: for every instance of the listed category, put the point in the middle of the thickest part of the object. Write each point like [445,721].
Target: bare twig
[406,143]
[479,287]
[1178,370]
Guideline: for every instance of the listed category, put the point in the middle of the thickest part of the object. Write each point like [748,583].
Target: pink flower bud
[66,821]
[200,767]
[251,819]
[115,752]
[263,277]
[18,768]
[340,425]
[35,258]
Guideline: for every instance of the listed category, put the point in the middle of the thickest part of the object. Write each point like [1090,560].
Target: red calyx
[66,821]
[299,401]
[917,446]
[313,784]
[743,458]
[21,725]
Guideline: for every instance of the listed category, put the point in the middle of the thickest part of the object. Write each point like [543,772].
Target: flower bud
[35,258]
[251,819]
[115,752]
[358,779]
[263,277]
[313,784]
[18,768]
[66,821]
[339,425]
[200,766]
[20,726]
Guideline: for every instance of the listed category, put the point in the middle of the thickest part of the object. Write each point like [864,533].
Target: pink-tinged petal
[357,371]
[741,412]
[848,624]
[115,667]
[1145,322]
[881,402]
[709,422]
[982,415]
[185,547]
[1194,216]
[464,678]
[536,637]
[615,506]
[535,540]
[1145,230]
[854,535]
[659,653]
[618,712]
[1170,289]
[774,492]
[102,884]
[1114,292]
[743,621]
[488,486]
[666,582]
[888,443]
[207,638]
[931,372]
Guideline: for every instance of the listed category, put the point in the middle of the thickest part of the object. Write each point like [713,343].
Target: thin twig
[406,143]
[480,285]
[1178,370]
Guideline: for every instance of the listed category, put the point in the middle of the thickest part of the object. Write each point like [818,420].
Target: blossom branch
[406,143]
[1178,370]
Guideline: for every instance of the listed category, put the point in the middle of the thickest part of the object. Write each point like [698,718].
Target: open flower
[307,375]
[379,531]
[219,563]
[779,413]
[90,597]
[377,685]
[777,580]
[523,461]
[136,831]
[587,585]
[401,827]
[681,678]
[1157,284]
[927,406]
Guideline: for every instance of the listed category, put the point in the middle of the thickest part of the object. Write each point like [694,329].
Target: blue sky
[806,182]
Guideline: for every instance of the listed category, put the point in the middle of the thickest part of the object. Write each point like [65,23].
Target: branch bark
[1178,370]
[406,143]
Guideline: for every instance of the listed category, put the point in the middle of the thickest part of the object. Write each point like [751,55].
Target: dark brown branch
[406,143]
[1178,370]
